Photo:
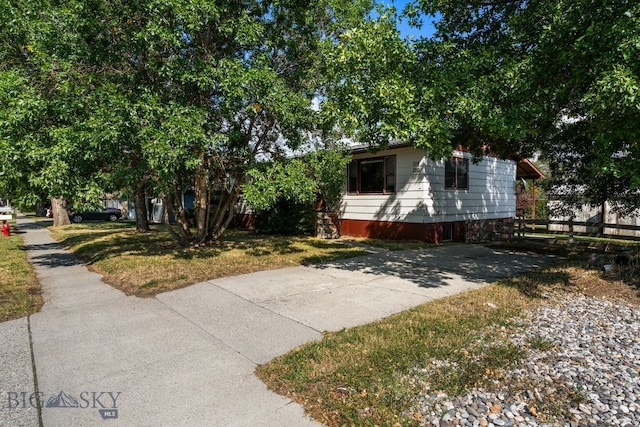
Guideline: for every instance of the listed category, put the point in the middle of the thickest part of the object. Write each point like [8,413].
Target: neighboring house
[526,171]
[155,208]
[399,193]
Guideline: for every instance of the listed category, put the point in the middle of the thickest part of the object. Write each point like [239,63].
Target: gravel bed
[586,364]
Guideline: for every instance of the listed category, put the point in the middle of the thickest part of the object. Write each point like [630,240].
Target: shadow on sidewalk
[437,267]
[51,255]
[23,226]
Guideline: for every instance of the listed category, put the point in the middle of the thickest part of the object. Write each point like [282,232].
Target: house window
[456,173]
[377,175]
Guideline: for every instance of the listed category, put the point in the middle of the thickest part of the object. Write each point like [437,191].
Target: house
[399,193]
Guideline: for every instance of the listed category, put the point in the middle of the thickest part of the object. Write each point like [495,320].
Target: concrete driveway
[187,357]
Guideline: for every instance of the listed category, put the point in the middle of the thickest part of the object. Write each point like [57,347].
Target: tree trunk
[60,215]
[201,205]
[142,221]
[178,238]
[225,212]
[176,208]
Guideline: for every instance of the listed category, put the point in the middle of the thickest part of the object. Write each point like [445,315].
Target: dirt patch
[610,286]
[603,270]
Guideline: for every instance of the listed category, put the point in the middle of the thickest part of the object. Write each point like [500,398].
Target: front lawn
[146,264]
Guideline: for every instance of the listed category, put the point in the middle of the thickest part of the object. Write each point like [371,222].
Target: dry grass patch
[20,293]
[149,263]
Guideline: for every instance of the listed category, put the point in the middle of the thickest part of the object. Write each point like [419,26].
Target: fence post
[603,213]
[533,205]
[571,229]
[521,226]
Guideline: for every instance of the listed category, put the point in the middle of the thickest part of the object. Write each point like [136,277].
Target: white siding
[420,195]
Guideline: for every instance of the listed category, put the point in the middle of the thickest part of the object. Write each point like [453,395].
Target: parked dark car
[106,214]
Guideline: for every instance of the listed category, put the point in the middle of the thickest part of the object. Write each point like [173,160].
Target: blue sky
[427,28]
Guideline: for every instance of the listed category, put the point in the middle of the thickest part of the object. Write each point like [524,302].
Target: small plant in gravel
[540,343]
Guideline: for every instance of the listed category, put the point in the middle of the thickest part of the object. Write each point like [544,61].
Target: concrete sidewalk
[187,357]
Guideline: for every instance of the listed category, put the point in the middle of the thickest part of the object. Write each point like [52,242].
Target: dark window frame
[456,173]
[447,232]
[381,168]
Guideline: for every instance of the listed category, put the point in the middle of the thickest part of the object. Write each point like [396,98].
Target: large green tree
[379,89]
[161,96]
[44,115]
[552,76]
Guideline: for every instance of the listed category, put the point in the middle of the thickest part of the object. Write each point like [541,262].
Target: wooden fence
[577,228]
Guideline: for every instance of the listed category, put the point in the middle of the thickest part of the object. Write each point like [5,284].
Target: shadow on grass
[97,242]
[276,245]
[335,255]
[536,284]
[99,246]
